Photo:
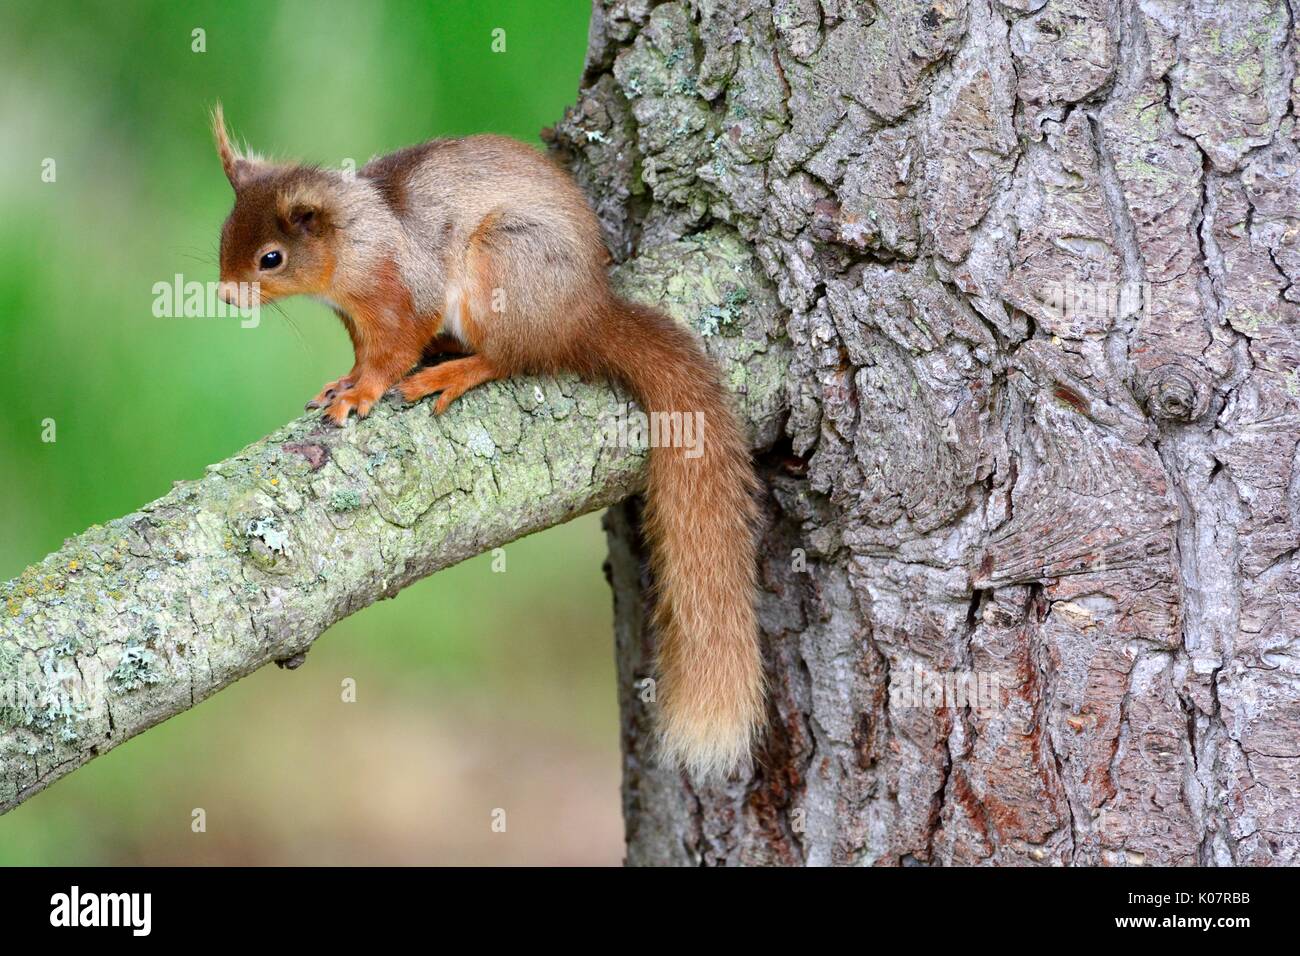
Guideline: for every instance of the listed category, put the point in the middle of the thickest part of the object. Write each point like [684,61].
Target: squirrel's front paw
[355,399]
[331,392]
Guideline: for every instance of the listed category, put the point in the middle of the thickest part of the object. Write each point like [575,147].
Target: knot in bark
[1175,393]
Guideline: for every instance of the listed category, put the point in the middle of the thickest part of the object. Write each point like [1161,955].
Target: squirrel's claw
[330,392]
[337,414]
[358,400]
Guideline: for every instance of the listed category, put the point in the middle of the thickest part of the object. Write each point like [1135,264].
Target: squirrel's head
[281,234]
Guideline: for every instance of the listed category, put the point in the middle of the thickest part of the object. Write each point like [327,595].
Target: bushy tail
[700,521]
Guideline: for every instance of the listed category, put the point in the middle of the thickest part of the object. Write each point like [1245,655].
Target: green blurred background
[476,690]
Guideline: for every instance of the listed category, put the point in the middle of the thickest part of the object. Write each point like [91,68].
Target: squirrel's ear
[304,215]
[307,218]
[239,168]
[303,206]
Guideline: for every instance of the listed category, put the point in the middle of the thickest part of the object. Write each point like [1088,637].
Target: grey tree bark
[1037,263]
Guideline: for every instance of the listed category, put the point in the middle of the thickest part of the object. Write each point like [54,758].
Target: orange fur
[700,520]
[453,379]
[390,336]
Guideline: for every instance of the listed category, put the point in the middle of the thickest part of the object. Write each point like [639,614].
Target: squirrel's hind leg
[453,378]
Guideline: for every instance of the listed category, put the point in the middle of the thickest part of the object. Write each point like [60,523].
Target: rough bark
[133,622]
[992,463]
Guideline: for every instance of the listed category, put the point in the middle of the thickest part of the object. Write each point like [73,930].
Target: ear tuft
[239,169]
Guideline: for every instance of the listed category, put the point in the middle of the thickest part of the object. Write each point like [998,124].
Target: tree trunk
[1030,569]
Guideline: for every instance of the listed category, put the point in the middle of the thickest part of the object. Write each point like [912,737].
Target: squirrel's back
[450,186]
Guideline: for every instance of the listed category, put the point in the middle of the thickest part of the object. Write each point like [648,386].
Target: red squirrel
[484,246]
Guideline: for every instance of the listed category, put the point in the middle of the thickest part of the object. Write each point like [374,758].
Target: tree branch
[137,620]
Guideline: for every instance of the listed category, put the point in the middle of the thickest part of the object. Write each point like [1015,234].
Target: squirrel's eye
[270,260]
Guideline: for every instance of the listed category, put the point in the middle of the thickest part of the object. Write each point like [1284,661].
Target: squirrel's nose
[229,292]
